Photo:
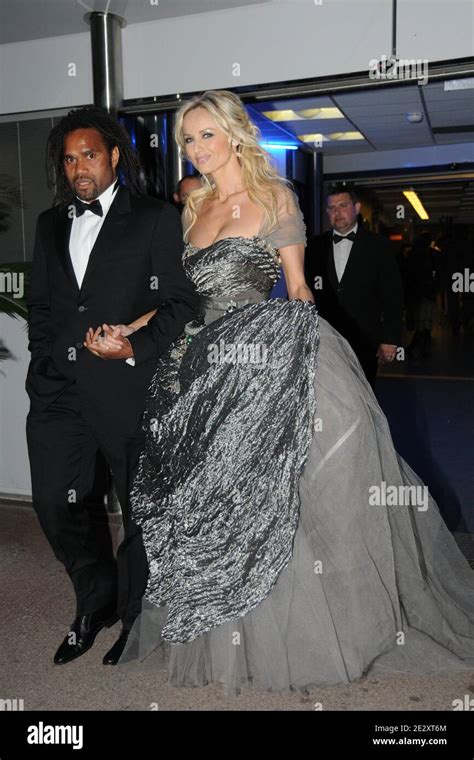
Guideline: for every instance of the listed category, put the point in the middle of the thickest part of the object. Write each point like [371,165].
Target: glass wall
[23,190]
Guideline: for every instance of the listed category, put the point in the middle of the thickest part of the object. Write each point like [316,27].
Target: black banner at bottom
[83,734]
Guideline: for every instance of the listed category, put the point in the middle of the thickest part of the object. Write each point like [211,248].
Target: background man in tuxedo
[104,253]
[186,185]
[356,283]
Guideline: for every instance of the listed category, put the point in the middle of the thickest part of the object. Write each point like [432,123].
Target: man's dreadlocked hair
[113,134]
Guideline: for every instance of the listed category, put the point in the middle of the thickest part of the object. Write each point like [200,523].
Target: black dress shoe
[114,654]
[83,632]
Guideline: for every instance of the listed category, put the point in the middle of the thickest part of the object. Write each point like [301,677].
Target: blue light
[130,127]
[278,146]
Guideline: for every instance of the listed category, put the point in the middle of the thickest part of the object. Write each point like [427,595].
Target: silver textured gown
[272,561]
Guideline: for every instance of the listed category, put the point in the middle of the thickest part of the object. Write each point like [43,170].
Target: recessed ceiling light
[321,113]
[316,137]
[459,84]
[287,115]
[333,137]
[411,196]
[414,117]
[346,136]
[306,113]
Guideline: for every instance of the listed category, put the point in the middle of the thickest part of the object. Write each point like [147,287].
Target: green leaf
[15,307]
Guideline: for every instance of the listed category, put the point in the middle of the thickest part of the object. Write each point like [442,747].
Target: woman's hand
[123,330]
[301,293]
[111,345]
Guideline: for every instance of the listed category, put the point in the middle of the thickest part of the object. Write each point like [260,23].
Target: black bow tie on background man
[95,207]
[337,238]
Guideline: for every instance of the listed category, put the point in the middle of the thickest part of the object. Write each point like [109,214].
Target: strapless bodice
[232,266]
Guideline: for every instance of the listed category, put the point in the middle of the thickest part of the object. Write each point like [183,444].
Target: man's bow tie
[95,207]
[337,238]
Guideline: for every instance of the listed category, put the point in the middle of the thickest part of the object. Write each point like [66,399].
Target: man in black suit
[186,185]
[104,254]
[356,283]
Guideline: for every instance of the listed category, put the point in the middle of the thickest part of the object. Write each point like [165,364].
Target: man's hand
[386,353]
[111,345]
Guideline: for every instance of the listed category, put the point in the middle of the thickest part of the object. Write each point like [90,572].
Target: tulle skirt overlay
[289,545]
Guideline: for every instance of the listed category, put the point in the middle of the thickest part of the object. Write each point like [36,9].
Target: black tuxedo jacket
[135,266]
[366,306]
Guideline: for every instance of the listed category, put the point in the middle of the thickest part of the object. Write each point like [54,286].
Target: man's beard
[88,193]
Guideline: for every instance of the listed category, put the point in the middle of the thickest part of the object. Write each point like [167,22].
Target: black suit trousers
[368,361]
[63,448]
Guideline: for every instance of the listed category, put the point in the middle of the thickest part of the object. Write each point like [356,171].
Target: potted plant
[19,271]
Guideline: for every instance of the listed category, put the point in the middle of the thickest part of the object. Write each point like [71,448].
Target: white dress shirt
[341,252]
[84,232]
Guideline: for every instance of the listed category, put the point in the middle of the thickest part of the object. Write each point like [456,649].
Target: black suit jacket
[366,306]
[135,266]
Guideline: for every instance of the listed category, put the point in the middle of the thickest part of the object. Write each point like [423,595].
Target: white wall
[280,40]
[271,42]
[38,74]
[435,29]
[14,405]
[286,40]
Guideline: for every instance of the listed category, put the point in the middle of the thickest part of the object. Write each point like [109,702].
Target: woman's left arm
[292,259]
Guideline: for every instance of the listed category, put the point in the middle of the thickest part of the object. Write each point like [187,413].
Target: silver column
[176,166]
[107,76]
[316,194]
[107,69]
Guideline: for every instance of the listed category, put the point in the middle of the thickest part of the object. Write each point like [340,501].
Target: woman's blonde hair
[262,182]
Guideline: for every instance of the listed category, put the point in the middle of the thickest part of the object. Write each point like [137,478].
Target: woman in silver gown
[288,544]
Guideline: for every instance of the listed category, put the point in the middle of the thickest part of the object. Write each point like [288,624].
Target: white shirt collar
[353,229]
